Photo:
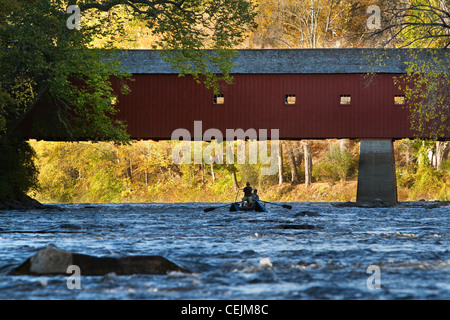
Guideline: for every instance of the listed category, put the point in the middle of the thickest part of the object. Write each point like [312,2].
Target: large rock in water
[53,261]
[26,203]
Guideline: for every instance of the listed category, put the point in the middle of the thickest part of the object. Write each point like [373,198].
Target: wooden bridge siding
[159,104]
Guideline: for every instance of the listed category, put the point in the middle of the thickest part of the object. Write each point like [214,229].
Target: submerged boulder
[295,227]
[307,214]
[53,261]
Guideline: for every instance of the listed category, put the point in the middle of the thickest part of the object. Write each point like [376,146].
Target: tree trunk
[235,182]
[298,152]
[308,162]
[280,163]
[202,168]
[212,170]
[344,145]
[295,179]
[130,169]
[441,149]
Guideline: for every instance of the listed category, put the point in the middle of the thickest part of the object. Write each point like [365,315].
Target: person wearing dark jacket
[247,195]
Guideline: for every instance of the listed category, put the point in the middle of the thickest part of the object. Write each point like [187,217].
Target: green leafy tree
[184,29]
[44,61]
[41,60]
[18,171]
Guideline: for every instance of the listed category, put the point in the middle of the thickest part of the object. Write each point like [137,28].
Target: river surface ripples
[244,255]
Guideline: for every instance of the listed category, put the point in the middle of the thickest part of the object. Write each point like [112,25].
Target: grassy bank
[317,192]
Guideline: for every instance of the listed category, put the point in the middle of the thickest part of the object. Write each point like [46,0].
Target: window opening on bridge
[290,99]
[399,99]
[219,99]
[346,99]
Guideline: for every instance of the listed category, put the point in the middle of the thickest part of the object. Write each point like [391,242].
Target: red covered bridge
[305,94]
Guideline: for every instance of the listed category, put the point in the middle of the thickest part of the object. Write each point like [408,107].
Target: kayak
[257,206]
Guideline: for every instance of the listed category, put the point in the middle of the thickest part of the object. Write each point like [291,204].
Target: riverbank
[340,192]
[317,192]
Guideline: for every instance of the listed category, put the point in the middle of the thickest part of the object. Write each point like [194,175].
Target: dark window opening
[346,99]
[290,99]
[219,99]
[399,99]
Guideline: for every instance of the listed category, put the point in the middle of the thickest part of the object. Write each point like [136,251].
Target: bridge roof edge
[294,61]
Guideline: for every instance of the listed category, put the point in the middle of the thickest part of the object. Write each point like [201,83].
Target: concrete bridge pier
[376,179]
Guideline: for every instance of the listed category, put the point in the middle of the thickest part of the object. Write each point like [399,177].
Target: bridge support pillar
[376,178]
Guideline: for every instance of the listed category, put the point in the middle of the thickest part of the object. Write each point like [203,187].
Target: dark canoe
[257,206]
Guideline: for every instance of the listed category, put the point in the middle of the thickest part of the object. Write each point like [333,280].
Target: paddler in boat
[255,195]
[247,195]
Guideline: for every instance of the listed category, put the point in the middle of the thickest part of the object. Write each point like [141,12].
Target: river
[346,253]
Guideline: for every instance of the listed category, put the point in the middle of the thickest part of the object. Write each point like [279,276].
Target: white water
[237,255]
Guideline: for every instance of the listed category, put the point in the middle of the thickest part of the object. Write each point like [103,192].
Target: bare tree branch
[428,22]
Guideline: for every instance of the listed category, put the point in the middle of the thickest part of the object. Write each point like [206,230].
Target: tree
[304,24]
[42,60]
[416,23]
[308,162]
[280,164]
[422,24]
[426,86]
[442,150]
[182,27]
[38,57]
[295,178]
[353,22]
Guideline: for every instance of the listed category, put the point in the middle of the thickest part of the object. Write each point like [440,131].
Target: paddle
[283,205]
[214,208]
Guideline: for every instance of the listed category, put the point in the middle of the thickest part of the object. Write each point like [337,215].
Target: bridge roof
[294,61]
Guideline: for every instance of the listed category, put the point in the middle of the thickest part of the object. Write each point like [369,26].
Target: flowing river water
[344,252]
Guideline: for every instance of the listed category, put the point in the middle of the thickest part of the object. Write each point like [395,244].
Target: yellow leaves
[22,90]
[426,86]
[119,29]
[424,25]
